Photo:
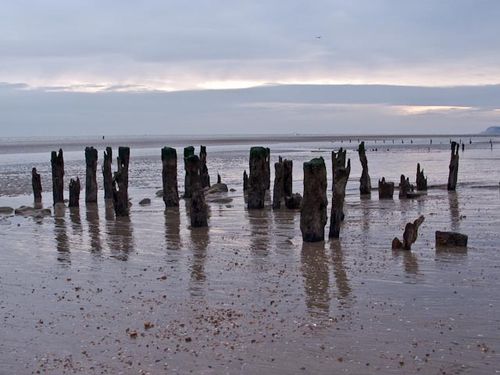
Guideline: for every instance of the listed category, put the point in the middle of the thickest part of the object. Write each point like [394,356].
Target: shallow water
[246,295]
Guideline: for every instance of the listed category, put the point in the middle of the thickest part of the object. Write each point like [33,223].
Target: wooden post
[257,181]
[169,177]
[453,174]
[409,236]
[107,173]
[57,163]
[385,189]
[421,179]
[91,175]
[74,193]
[341,174]
[288,178]
[198,208]
[404,187]
[365,186]
[245,181]
[120,182]
[278,189]
[219,179]
[205,177]
[188,151]
[313,212]
[268,169]
[36,183]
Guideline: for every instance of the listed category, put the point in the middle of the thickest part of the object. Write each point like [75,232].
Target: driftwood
[409,236]
[107,173]
[188,152]
[74,193]
[365,186]
[453,168]
[57,163]
[405,187]
[204,176]
[341,173]
[36,183]
[421,179]
[198,208]
[169,177]
[451,239]
[91,175]
[385,189]
[314,203]
[257,181]
[120,183]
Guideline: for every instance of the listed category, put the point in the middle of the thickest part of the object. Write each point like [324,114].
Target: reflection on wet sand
[410,261]
[61,235]
[259,221]
[109,209]
[199,240]
[76,222]
[284,230]
[339,271]
[120,237]
[454,211]
[316,278]
[172,229]
[94,230]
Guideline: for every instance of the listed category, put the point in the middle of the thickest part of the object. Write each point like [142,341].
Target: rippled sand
[84,292]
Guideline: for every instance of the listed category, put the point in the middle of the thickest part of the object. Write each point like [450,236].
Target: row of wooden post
[255,185]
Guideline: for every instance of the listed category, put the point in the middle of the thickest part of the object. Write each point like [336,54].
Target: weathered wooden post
[421,179]
[219,179]
[188,151]
[404,187]
[57,163]
[120,182]
[365,185]
[198,208]
[409,236]
[453,174]
[341,174]
[451,239]
[107,174]
[257,181]
[268,168]
[74,193]
[169,177]
[313,213]
[205,177]
[91,175]
[245,181]
[278,190]
[385,189]
[36,183]
[288,177]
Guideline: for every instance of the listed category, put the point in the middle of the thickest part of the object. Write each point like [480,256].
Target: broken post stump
[385,189]
[279,186]
[365,186]
[198,208]
[421,179]
[404,187]
[314,203]
[245,181]
[57,163]
[90,175]
[169,177]
[188,151]
[409,236]
[287,178]
[294,201]
[451,239]
[120,183]
[36,183]
[453,168]
[204,176]
[74,193]
[257,181]
[219,179]
[341,173]
[107,173]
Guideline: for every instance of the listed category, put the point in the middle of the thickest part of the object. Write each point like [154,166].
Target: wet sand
[84,292]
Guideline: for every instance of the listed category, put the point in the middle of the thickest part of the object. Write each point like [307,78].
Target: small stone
[145,202]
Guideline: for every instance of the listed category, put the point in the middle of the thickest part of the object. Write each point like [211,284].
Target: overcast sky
[161,67]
